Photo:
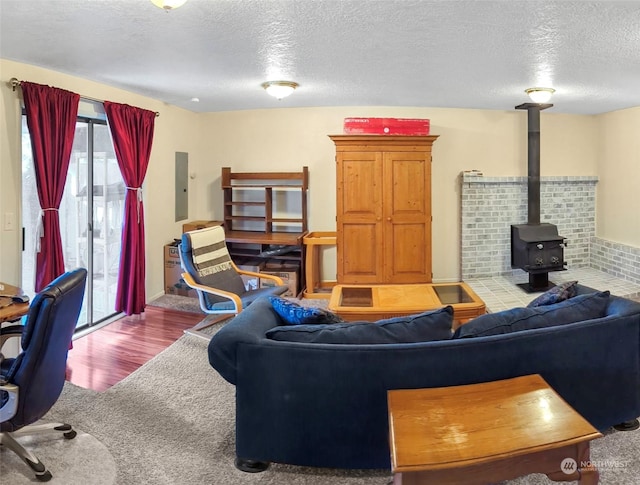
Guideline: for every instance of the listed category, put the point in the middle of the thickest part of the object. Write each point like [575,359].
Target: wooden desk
[373,302]
[252,244]
[485,433]
[255,237]
[10,311]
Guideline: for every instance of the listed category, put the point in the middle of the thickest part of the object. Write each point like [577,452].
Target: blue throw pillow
[556,294]
[423,327]
[577,309]
[294,314]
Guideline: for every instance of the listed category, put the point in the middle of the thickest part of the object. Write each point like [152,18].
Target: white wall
[494,142]
[618,209]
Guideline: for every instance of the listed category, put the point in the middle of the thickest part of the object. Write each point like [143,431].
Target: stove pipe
[536,248]
[533,156]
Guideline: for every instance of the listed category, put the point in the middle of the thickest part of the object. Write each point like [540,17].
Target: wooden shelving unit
[269,183]
[265,215]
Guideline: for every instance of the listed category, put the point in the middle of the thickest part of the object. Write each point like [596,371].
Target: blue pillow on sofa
[294,314]
[556,294]
[576,309]
[423,327]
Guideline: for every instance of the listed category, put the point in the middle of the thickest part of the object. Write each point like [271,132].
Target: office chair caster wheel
[69,432]
[45,477]
[42,474]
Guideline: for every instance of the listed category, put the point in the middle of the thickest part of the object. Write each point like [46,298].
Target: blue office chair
[31,383]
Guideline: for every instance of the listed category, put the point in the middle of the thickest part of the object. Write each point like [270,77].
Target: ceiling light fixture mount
[167,5]
[280,89]
[540,95]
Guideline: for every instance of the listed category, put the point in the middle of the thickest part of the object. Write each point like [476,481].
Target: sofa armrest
[617,305]
[250,326]
[620,306]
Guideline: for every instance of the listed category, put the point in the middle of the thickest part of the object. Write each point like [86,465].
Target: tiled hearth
[501,292]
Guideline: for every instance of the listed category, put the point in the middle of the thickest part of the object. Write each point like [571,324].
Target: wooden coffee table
[373,302]
[489,432]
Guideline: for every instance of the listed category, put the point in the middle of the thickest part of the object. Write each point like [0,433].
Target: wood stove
[536,247]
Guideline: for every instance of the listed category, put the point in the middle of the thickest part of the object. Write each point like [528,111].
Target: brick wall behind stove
[490,205]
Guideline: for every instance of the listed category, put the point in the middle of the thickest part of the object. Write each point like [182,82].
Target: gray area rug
[177,302]
[172,422]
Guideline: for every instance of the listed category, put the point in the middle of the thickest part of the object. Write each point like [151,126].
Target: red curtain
[51,118]
[132,133]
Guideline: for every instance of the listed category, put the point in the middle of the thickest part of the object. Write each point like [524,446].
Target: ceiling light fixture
[540,95]
[280,89]
[167,5]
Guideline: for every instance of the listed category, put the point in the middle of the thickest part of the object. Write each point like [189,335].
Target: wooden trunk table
[373,302]
[485,433]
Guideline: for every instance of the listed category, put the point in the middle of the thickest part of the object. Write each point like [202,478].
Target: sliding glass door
[91,214]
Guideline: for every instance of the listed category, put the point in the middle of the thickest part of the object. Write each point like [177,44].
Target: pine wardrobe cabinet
[383,208]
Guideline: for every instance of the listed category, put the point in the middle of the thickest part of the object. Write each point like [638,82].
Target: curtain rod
[15,82]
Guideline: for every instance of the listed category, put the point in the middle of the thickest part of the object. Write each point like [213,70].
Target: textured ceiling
[446,53]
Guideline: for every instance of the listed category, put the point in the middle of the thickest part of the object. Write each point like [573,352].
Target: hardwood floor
[106,356]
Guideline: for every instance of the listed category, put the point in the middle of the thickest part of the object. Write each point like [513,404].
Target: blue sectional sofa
[325,405]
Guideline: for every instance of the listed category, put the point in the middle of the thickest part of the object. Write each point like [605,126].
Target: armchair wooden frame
[209,269]
[237,302]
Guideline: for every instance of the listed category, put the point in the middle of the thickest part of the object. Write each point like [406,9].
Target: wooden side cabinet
[383,207]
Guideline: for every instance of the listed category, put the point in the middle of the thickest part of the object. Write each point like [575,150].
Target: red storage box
[386,126]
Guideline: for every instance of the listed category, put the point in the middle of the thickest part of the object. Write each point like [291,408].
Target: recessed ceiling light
[195,100]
